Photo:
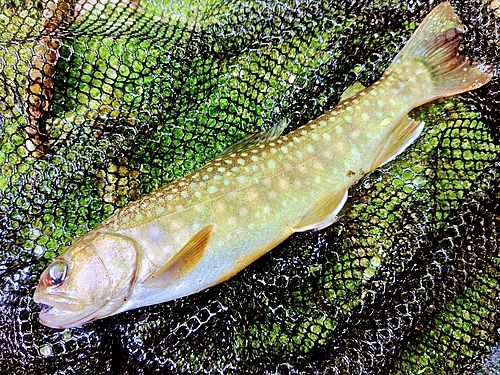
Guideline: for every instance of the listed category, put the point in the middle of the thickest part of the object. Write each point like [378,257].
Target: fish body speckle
[208,226]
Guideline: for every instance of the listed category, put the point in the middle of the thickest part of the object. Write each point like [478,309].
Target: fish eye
[57,272]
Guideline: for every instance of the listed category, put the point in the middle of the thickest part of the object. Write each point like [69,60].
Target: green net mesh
[102,101]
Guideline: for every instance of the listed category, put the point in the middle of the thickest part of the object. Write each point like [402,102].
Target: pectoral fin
[351,91]
[400,138]
[184,261]
[323,213]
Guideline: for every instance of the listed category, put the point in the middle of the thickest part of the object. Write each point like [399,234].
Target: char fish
[204,228]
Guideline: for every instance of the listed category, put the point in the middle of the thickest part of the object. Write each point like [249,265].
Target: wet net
[102,101]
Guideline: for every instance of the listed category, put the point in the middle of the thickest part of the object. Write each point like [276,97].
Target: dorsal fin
[351,91]
[182,262]
[257,138]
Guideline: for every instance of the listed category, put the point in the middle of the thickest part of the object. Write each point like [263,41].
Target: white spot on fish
[271,194]
[252,196]
[241,161]
[365,117]
[318,166]
[283,183]
[385,122]
[175,225]
[255,158]
[310,148]
[197,194]
[327,137]
[211,189]
[284,149]
[220,207]
[267,181]
[271,164]
[299,154]
[314,136]
[241,179]
[221,169]
[184,194]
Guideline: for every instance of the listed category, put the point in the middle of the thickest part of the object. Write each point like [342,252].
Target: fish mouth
[59,312]
[55,317]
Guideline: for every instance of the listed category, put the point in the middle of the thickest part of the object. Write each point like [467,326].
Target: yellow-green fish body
[207,226]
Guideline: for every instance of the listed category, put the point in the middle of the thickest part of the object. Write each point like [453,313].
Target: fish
[204,228]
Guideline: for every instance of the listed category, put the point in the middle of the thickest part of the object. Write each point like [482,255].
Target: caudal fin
[435,44]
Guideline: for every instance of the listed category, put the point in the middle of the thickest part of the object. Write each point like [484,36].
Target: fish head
[89,281]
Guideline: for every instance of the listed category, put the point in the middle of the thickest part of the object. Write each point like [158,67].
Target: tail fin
[435,44]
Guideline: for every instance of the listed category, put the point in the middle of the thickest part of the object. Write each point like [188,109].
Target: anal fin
[323,213]
[184,261]
[402,135]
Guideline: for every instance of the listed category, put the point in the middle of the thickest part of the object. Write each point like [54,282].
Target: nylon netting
[102,101]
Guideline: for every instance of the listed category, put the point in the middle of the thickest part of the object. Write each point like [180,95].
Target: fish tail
[435,45]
